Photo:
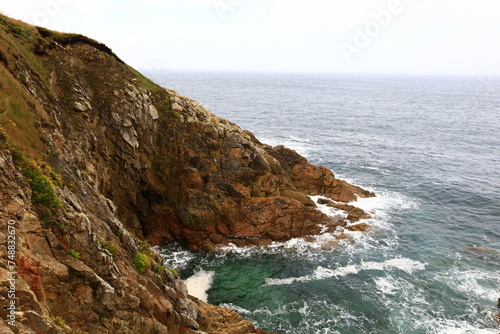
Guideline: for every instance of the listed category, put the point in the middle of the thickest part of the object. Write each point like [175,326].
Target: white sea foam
[385,285]
[472,283]
[404,264]
[448,326]
[236,308]
[317,247]
[467,330]
[200,283]
[384,236]
[312,316]
[329,211]
[176,258]
[296,248]
[384,201]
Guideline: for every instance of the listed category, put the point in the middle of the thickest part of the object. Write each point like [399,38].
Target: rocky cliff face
[95,159]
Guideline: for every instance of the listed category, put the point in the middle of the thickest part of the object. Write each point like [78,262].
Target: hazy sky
[361,36]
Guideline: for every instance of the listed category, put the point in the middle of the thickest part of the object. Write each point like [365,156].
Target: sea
[429,147]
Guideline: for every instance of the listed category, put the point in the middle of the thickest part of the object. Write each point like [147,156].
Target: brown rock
[223,320]
[353,213]
[359,227]
[298,196]
[328,244]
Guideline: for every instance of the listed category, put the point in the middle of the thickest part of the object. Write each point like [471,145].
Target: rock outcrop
[74,271]
[95,158]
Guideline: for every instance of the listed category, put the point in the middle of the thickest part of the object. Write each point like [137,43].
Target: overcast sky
[355,36]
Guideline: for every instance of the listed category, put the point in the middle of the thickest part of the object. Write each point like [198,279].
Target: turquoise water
[429,148]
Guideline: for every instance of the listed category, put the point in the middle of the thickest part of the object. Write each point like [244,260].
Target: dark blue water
[429,148]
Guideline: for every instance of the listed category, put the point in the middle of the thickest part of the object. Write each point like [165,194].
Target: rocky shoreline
[98,163]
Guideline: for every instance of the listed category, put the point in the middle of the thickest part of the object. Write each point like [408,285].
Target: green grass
[43,190]
[40,178]
[74,254]
[166,104]
[23,40]
[174,272]
[110,246]
[61,323]
[18,111]
[141,262]
[145,82]
[167,109]
[174,114]
[159,269]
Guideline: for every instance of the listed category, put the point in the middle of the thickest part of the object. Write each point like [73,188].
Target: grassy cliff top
[27,71]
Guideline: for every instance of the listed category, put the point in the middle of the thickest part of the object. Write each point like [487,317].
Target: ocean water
[429,147]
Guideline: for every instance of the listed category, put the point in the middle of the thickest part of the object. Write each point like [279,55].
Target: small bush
[43,189]
[166,104]
[60,322]
[141,262]
[17,155]
[159,269]
[40,177]
[145,248]
[74,254]
[174,272]
[54,177]
[110,246]
[174,114]
[20,31]
[120,83]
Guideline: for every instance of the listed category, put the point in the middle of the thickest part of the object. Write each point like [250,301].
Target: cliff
[97,161]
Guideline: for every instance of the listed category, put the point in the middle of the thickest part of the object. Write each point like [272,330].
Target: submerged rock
[359,227]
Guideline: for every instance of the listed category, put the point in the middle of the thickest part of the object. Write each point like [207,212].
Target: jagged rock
[353,213]
[176,107]
[82,106]
[217,320]
[314,180]
[153,112]
[299,196]
[359,227]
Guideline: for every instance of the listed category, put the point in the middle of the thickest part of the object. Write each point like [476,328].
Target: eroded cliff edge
[96,158]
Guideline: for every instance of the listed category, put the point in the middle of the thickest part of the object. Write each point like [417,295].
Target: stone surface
[359,227]
[217,320]
[353,213]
